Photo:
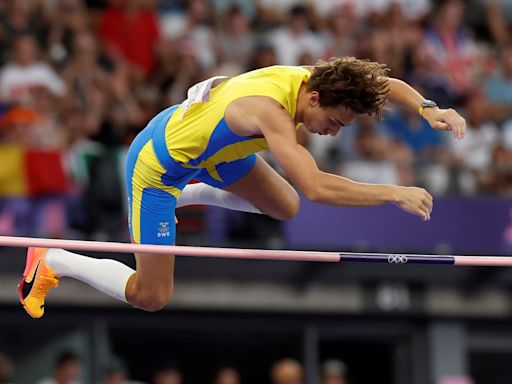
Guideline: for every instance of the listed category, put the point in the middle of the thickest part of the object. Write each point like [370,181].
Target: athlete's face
[325,120]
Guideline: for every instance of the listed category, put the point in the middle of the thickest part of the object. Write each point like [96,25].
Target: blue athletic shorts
[154,182]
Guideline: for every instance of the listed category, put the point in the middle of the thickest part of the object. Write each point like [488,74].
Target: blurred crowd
[68,370]
[80,78]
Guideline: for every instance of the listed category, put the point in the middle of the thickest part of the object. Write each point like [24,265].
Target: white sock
[202,193]
[107,276]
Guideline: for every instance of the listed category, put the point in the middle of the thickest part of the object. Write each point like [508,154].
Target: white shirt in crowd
[290,47]
[16,81]
[412,9]
[507,134]
[478,145]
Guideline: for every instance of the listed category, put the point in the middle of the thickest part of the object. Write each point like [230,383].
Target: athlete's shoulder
[280,83]
[275,70]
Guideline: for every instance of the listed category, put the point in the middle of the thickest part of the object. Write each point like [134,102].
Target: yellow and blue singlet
[180,144]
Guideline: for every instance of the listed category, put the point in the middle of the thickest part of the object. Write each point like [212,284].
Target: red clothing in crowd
[131,34]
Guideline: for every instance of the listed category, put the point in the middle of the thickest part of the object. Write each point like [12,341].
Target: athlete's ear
[314,99]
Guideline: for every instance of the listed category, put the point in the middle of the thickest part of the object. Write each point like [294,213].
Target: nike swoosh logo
[34,274]
[27,287]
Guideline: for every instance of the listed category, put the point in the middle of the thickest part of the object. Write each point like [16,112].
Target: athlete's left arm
[442,119]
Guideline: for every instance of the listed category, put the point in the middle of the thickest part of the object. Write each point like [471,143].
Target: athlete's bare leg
[150,288]
[268,191]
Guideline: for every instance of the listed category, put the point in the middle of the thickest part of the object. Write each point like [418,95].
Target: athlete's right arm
[279,131]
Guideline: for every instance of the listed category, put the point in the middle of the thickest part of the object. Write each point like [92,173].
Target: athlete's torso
[197,135]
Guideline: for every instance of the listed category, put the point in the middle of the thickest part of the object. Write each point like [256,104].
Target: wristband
[426,104]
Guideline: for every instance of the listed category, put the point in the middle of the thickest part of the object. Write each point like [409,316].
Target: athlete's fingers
[422,212]
[428,208]
[442,126]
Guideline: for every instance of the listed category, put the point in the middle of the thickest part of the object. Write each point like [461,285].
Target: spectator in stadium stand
[6,369]
[117,373]
[498,88]
[272,14]
[333,372]
[196,33]
[295,38]
[472,157]
[17,125]
[264,55]
[87,82]
[129,31]
[343,32]
[227,375]
[167,374]
[499,17]
[287,371]
[235,41]
[377,157]
[67,18]
[18,17]
[451,47]
[499,181]
[24,73]
[66,371]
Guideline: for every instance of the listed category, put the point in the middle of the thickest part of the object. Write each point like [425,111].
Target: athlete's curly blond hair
[360,85]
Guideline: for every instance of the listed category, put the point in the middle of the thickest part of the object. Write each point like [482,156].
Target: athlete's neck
[302,101]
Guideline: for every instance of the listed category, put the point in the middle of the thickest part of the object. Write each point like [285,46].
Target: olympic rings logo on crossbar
[397,259]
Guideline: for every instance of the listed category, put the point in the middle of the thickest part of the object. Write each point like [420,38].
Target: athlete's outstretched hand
[415,200]
[446,120]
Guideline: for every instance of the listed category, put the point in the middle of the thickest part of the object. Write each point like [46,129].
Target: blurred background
[80,78]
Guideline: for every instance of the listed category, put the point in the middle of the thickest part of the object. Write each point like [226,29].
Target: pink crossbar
[484,261]
[232,253]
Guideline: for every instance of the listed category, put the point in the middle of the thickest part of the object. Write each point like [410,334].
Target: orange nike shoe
[37,279]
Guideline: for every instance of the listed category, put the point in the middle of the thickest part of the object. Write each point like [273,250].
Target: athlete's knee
[151,301]
[288,209]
